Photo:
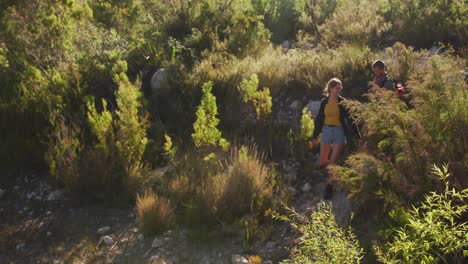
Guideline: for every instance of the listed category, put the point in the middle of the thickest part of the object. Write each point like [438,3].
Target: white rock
[159,79]
[307,187]
[313,107]
[238,259]
[20,246]
[108,240]
[157,243]
[48,233]
[140,237]
[270,245]
[2,193]
[205,260]
[296,105]
[55,195]
[104,230]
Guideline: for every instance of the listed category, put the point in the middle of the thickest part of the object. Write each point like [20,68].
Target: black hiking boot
[328,192]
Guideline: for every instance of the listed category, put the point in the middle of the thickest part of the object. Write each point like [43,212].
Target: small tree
[307,125]
[205,127]
[131,128]
[169,150]
[260,99]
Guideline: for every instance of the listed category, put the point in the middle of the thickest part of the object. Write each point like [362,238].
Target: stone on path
[238,259]
[104,230]
[307,187]
[107,240]
[157,243]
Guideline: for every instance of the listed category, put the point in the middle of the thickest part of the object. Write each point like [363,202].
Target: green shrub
[130,128]
[314,14]
[422,23]
[261,100]
[63,154]
[435,230]
[370,182]
[205,127]
[354,22]
[307,125]
[322,240]
[440,98]
[247,35]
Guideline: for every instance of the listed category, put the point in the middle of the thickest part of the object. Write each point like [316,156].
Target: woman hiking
[334,123]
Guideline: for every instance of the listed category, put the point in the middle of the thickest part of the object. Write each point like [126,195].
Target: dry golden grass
[246,183]
[154,213]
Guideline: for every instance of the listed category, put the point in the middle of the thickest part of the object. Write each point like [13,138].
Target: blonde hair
[330,84]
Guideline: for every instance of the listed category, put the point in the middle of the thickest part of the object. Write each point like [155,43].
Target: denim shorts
[333,135]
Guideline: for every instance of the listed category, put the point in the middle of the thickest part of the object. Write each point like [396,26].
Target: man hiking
[381,78]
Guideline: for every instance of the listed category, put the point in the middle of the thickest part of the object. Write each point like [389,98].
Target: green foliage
[131,127]
[169,150]
[64,153]
[354,22]
[322,241]
[370,182]
[247,35]
[435,231]
[314,14]
[206,131]
[299,140]
[261,100]
[440,99]
[425,23]
[101,125]
[307,125]
[117,14]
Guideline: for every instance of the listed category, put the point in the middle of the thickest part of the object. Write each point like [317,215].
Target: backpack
[387,82]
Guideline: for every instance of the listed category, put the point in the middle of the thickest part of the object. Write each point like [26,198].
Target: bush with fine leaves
[435,231]
[323,241]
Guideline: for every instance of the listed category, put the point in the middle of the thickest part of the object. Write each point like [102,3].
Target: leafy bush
[154,213]
[423,23]
[131,127]
[205,128]
[440,98]
[63,155]
[435,230]
[354,22]
[247,35]
[370,182]
[322,240]
[261,100]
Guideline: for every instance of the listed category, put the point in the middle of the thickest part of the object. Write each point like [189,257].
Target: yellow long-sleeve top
[332,114]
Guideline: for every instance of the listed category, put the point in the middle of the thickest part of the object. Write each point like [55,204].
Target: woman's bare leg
[324,154]
[337,149]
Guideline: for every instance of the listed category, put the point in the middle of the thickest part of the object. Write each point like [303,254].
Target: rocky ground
[39,224]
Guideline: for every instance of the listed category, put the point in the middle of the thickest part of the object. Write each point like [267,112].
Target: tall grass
[154,213]
[247,184]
